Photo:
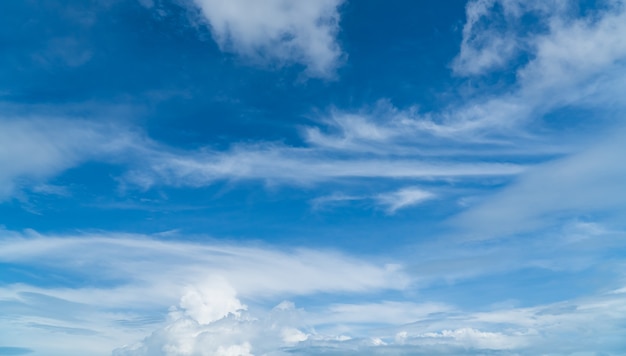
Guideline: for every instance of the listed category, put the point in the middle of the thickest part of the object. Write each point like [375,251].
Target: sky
[336,177]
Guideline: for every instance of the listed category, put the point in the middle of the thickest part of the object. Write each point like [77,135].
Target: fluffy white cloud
[240,334]
[211,300]
[278,31]
[526,331]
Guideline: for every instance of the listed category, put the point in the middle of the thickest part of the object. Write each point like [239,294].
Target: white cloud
[590,182]
[470,338]
[493,35]
[134,261]
[290,165]
[237,335]
[210,300]
[573,61]
[219,295]
[282,31]
[334,200]
[390,201]
[526,331]
[132,279]
[403,198]
[33,150]
[482,49]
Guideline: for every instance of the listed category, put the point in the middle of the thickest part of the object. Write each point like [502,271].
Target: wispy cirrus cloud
[33,151]
[589,182]
[390,201]
[403,198]
[291,165]
[492,36]
[36,149]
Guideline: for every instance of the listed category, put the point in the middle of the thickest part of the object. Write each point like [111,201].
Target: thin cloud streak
[390,201]
[33,152]
[403,198]
[288,165]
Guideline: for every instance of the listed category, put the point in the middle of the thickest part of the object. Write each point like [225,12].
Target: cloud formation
[573,58]
[135,278]
[590,182]
[36,149]
[390,201]
[226,298]
[278,31]
[492,36]
[284,331]
[403,198]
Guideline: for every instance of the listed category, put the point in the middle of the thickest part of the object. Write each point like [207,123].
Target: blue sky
[207,177]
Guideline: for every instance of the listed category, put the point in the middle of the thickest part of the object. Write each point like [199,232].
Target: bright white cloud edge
[277,32]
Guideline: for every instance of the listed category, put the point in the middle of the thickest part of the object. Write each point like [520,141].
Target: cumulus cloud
[278,31]
[239,334]
[524,331]
[211,300]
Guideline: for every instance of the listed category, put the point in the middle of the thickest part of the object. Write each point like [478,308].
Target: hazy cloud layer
[589,182]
